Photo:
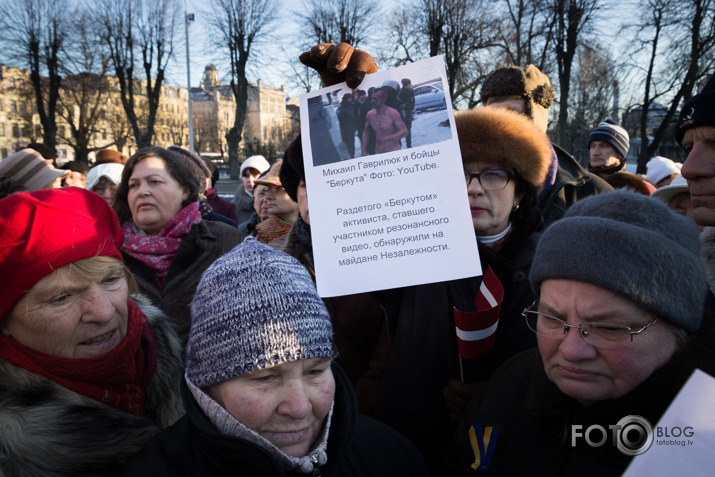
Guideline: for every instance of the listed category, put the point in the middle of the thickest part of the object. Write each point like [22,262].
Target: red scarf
[272,228]
[118,378]
[158,251]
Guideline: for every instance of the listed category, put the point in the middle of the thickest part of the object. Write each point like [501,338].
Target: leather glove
[338,63]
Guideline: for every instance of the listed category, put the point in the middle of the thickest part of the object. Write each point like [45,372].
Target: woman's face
[66,317]
[259,202]
[490,208]
[279,203]
[154,196]
[302,196]
[106,189]
[249,178]
[286,404]
[585,372]
[683,204]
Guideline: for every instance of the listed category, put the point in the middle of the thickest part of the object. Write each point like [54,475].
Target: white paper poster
[384,215]
[684,438]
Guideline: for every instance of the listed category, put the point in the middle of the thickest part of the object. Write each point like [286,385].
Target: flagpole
[461,368]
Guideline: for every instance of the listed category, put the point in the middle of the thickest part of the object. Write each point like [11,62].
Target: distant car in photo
[429,96]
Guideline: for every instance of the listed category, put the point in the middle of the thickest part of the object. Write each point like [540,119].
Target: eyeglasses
[274,191]
[600,335]
[491,179]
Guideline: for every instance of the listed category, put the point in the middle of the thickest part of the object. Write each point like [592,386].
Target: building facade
[213,111]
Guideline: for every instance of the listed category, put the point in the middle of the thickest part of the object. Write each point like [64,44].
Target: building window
[0,104]
[38,130]
[13,106]
[3,151]
[15,130]
[2,129]
[61,131]
[104,134]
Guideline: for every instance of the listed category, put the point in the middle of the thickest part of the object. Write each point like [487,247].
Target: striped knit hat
[28,168]
[611,133]
[255,307]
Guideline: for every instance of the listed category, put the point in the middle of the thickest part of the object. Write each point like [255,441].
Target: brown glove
[338,63]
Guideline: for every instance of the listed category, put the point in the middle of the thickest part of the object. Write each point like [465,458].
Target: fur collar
[51,431]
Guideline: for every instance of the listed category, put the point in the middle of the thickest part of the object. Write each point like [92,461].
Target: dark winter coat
[535,417]
[205,242]
[49,430]
[573,183]
[358,321]
[222,206]
[423,354]
[357,446]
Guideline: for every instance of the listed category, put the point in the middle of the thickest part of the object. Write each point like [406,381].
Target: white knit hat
[110,170]
[660,167]
[257,162]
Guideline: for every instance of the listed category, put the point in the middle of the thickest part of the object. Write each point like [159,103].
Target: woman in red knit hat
[88,372]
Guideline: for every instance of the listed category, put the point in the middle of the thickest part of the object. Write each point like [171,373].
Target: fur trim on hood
[49,430]
[506,137]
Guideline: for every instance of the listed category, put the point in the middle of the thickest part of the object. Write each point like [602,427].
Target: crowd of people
[149,326]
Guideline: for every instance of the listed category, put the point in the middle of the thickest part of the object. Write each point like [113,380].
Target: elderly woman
[103,179]
[88,373]
[426,384]
[282,210]
[618,336]
[262,393]
[167,244]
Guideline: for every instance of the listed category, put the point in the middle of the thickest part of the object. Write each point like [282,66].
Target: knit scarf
[228,425]
[157,251]
[272,228]
[118,379]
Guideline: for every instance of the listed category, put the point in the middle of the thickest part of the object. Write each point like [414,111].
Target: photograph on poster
[392,210]
[395,112]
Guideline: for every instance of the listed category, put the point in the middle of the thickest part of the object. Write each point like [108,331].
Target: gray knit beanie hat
[254,308]
[631,245]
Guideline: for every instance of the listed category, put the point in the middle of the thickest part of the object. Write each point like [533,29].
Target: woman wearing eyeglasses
[619,329]
[282,210]
[426,385]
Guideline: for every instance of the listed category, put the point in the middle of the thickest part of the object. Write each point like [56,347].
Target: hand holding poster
[387,195]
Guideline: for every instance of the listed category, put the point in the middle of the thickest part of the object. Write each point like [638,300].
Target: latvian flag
[476,330]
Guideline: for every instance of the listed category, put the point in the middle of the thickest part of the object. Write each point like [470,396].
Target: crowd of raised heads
[152,326]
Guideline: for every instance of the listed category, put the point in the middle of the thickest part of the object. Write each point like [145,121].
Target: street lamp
[189,17]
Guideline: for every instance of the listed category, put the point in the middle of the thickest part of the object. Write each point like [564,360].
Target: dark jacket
[423,354]
[358,321]
[222,206]
[535,417]
[205,242]
[357,446]
[573,183]
[49,430]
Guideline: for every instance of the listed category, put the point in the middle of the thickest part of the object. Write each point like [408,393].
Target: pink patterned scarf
[158,251]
